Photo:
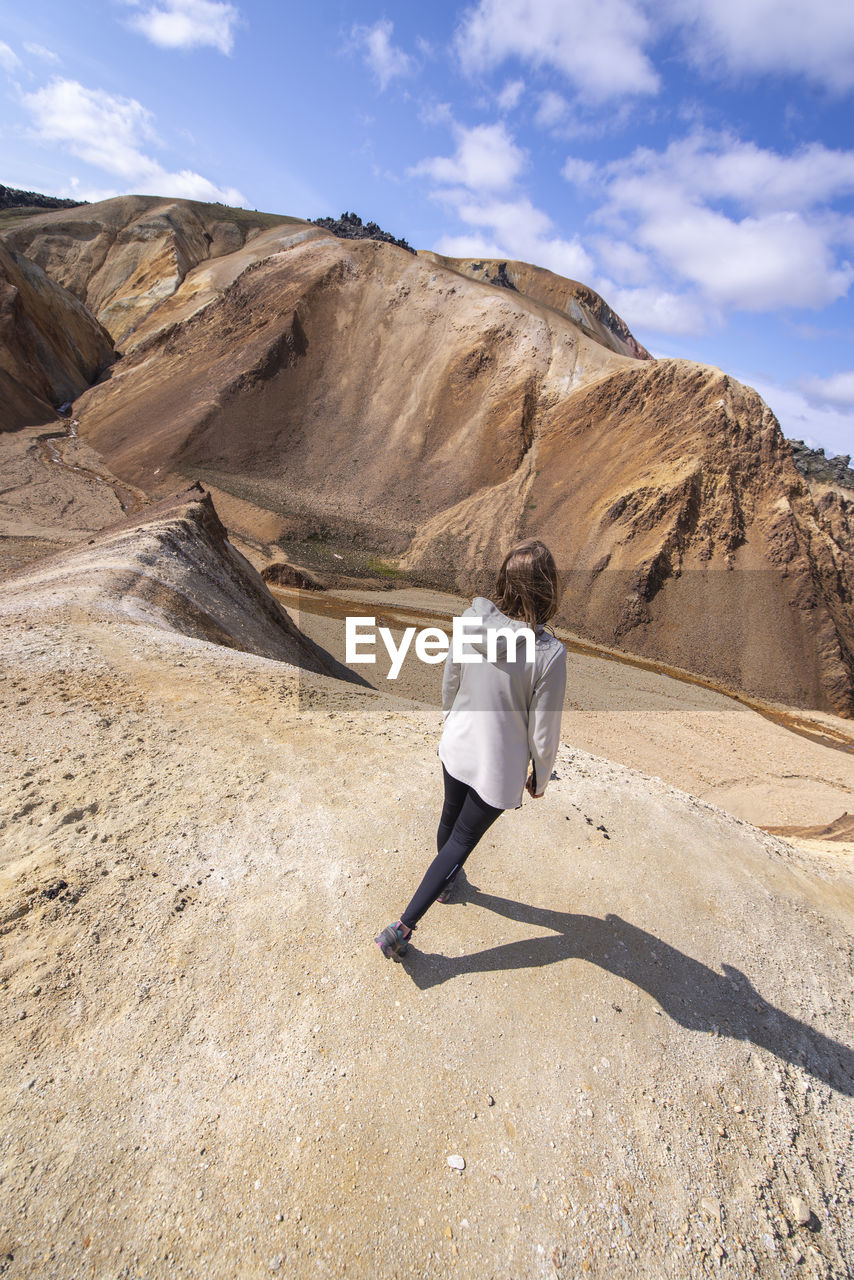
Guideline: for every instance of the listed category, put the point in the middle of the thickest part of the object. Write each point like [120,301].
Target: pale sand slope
[208,1069]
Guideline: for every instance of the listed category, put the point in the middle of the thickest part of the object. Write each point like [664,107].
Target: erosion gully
[52,447]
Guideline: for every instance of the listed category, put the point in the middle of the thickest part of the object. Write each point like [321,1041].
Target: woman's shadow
[692,994]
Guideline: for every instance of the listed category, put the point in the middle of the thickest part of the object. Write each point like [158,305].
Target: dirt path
[45,507]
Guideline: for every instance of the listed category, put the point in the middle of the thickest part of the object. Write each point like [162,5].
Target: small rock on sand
[801,1211]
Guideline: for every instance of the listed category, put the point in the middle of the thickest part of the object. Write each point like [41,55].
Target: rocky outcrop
[173,568]
[51,348]
[813,464]
[350,227]
[13,198]
[576,301]
[282,574]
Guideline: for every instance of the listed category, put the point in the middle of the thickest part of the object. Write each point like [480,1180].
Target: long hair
[527,586]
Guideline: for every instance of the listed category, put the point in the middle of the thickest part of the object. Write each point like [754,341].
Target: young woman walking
[501,712]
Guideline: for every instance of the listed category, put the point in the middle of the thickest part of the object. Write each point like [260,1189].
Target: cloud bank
[109,133]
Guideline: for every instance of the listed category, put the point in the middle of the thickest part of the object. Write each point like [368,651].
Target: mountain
[126,257]
[436,410]
[51,347]
[691,537]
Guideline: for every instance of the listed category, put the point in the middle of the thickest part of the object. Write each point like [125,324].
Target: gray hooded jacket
[500,715]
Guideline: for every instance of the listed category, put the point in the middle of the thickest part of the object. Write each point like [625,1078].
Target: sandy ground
[634,1027]
[633,1030]
[45,507]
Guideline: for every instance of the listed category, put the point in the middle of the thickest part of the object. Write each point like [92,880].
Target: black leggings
[465,818]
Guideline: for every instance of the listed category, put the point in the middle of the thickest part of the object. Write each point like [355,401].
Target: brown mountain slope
[668,494]
[125,257]
[578,302]
[344,384]
[51,348]
[345,388]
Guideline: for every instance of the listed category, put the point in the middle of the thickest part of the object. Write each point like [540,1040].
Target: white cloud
[552,111]
[755,264]
[9,60]
[602,50]
[108,132]
[801,419]
[385,59]
[837,389]
[510,95]
[813,38]
[512,219]
[598,47]
[486,158]
[581,173]
[478,184]
[467,247]
[436,113]
[659,309]
[744,228]
[723,167]
[187,24]
[39,51]
[624,261]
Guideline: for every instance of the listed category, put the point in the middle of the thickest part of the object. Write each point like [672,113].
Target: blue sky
[692,160]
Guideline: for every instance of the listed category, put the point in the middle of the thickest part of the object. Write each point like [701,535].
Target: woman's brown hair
[527,586]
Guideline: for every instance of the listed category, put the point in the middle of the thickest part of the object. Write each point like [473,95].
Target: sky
[691,160]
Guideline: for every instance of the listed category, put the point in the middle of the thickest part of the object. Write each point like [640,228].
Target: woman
[501,712]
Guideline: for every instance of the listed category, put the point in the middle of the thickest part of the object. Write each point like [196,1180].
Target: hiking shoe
[393,942]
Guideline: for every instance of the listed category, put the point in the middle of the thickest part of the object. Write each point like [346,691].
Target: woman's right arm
[544,718]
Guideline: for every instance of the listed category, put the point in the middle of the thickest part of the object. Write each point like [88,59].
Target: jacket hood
[495,620]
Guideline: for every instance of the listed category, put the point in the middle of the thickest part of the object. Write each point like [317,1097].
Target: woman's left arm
[450,683]
[544,718]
